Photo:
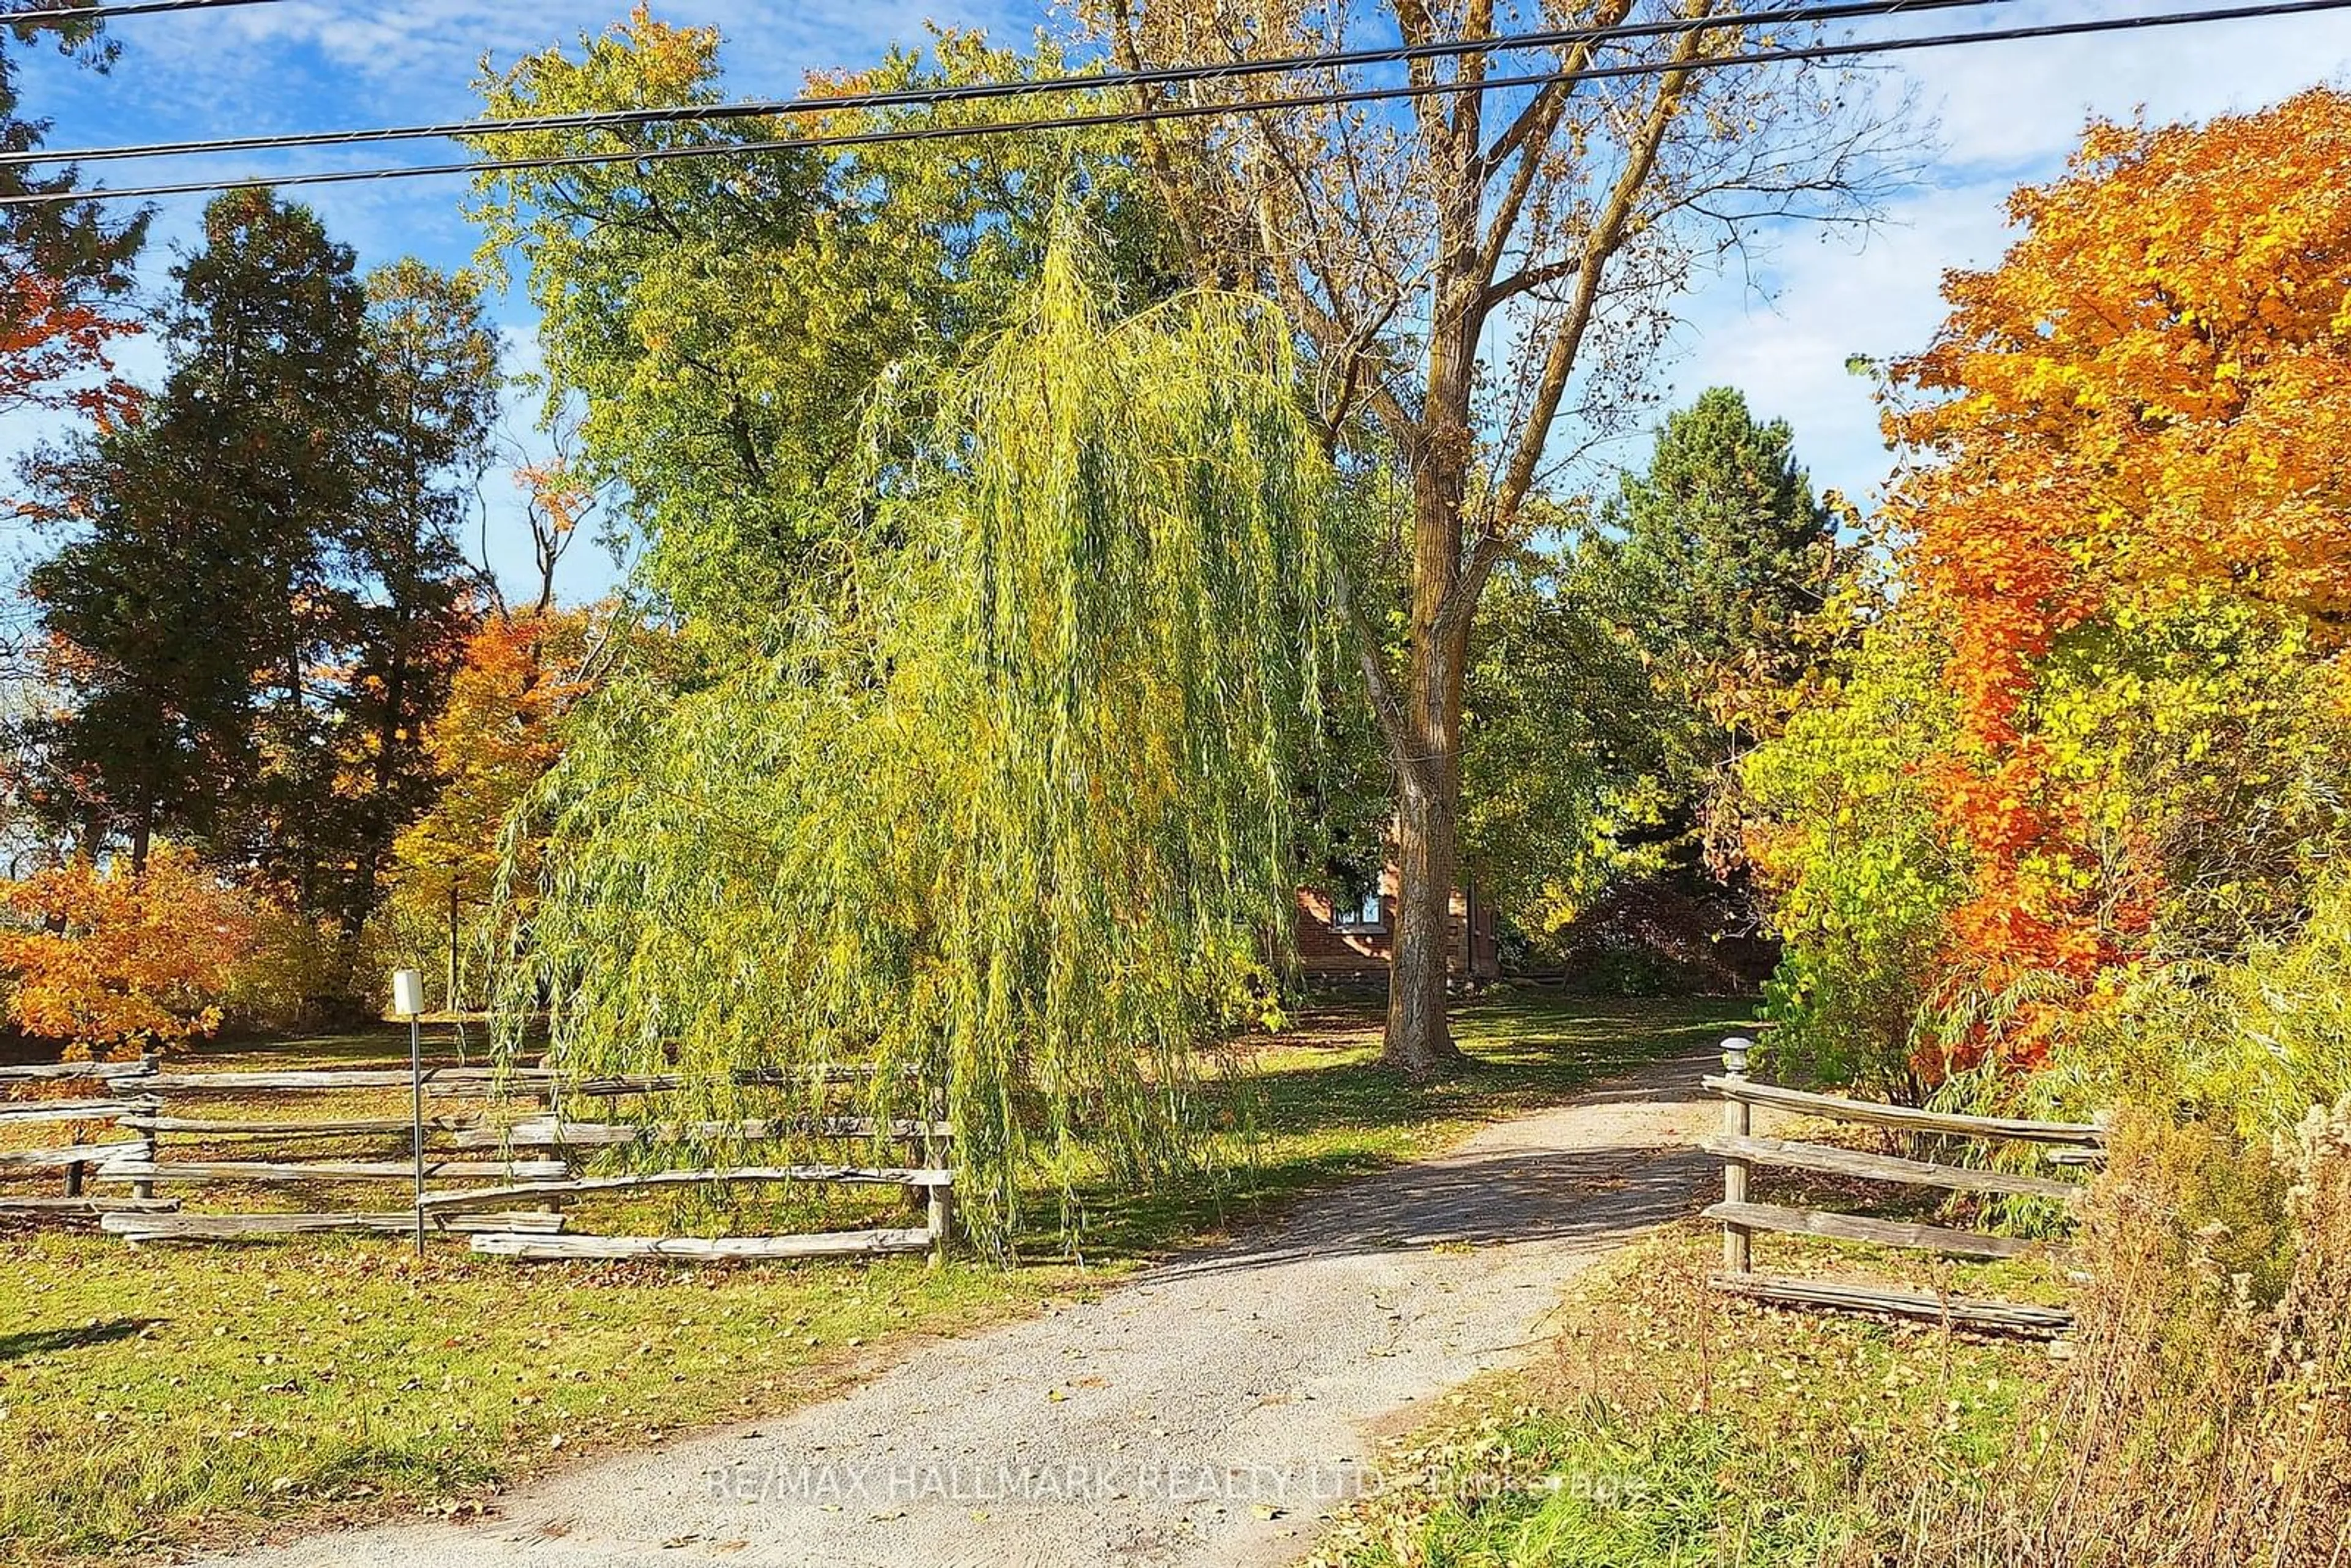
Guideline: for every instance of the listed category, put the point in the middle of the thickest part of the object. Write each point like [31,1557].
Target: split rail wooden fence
[926,1175]
[2063,1143]
[517,1173]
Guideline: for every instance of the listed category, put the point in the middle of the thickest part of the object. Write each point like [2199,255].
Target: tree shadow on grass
[47,1342]
[1321,1119]
[1495,1199]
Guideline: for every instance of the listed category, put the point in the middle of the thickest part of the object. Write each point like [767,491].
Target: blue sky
[2007,113]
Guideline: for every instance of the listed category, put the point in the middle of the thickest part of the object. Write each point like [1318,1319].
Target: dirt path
[1208,1412]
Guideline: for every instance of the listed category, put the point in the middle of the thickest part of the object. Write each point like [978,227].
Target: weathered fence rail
[2015,1317]
[1827,1161]
[536,1161]
[99,1155]
[101,1071]
[1741,1151]
[545,1134]
[141,1226]
[817,1244]
[209,1171]
[341,1078]
[928,1178]
[77,1159]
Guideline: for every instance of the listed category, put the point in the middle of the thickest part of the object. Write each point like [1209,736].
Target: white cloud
[2008,112]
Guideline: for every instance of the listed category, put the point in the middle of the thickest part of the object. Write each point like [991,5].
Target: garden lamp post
[408,1001]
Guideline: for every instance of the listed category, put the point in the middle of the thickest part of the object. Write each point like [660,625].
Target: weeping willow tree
[1005,813]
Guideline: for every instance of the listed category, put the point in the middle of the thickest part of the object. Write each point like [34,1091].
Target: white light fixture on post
[408,1001]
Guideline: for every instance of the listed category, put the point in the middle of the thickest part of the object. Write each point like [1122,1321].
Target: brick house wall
[1358,942]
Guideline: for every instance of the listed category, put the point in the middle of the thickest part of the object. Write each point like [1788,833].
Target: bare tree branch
[1606,236]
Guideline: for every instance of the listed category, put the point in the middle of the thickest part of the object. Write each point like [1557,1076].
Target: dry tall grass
[2205,1418]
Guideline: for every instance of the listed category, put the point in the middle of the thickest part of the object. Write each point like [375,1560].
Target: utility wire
[1194,111]
[1159,76]
[130,8]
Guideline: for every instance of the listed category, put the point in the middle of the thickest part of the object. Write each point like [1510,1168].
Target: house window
[1361,913]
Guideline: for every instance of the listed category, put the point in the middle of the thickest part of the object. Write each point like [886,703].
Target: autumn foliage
[2134,432]
[110,961]
[497,736]
[2150,394]
[66,277]
[53,347]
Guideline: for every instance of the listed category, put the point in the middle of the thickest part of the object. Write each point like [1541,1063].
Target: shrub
[302,972]
[107,961]
[2201,752]
[1861,875]
[2248,1044]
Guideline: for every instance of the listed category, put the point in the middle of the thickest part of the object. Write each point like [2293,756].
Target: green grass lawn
[156,1396]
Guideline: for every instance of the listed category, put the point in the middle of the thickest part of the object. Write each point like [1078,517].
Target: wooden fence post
[153,1139]
[941,1218]
[1736,1123]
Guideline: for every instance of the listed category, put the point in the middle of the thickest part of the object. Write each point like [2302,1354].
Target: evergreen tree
[1715,563]
[189,614]
[1716,555]
[274,385]
[139,616]
[257,617]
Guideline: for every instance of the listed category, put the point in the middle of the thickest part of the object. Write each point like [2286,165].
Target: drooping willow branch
[1023,833]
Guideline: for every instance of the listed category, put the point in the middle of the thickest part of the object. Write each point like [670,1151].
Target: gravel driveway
[1209,1411]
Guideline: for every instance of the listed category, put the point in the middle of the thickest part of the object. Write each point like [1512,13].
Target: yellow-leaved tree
[522,671]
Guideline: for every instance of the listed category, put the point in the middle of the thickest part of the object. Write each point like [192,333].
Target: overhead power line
[973,92]
[1808,52]
[128,8]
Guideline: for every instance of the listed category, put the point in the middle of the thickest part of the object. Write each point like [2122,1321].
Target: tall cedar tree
[1716,561]
[1719,549]
[189,614]
[256,616]
[271,341]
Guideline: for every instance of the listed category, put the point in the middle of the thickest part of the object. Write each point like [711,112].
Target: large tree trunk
[1427,753]
[1428,825]
[1418,1040]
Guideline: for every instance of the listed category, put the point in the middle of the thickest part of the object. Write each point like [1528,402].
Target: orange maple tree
[2149,396]
[109,960]
[493,741]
